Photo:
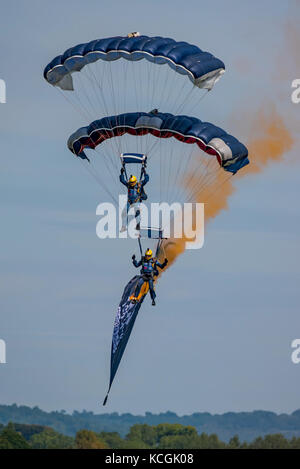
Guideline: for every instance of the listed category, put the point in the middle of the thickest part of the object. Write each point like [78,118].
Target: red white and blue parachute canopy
[202,68]
[231,154]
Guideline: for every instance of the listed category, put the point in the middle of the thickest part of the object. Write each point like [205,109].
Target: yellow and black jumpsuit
[149,270]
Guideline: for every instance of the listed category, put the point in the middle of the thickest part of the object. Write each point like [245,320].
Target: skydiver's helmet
[132,181]
[148,254]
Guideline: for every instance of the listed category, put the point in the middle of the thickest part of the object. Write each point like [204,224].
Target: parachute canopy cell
[201,67]
[231,154]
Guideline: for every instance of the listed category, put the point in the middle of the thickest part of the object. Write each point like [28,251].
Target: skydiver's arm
[135,262]
[123,179]
[145,179]
[163,265]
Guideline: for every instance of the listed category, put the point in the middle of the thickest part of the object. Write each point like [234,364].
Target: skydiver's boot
[153,302]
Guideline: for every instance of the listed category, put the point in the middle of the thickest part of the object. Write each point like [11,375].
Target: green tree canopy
[10,439]
[86,439]
[50,439]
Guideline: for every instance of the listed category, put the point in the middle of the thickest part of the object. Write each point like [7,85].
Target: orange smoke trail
[269,140]
[216,193]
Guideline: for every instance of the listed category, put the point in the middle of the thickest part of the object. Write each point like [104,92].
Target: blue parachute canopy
[201,67]
[124,322]
[231,154]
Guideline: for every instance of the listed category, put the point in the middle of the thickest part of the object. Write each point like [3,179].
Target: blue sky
[219,338]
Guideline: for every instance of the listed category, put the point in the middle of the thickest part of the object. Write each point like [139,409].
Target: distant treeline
[247,425]
[140,436]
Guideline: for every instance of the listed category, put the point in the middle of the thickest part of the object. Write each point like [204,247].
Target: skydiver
[135,194]
[149,270]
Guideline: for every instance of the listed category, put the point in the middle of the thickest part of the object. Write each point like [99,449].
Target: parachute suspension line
[188,96]
[85,113]
[175,169]
[168,157]
[169,167]
[154,83]
[121,95]
[114,144]
[201,167]
[178,171]
[152,155]
[186,172]
[181,174]
[86,92]
[141,92]
[135,89]
[75,99]
[109,163]
[156,140]
[199,100]
[136,93]
[205,178]
[219,187]
[103,156]
[162,96]
[125,73]
[195,172]
[97,82]
[146,92]
[179,104]
[162,247]
[151,89]
[195,95]
[160,171]
[171,172]
[168,97]
[114,103]
[82,112]
[115,141]
[111,82]
[98,180]
[211,175]
[197,190]
[94,87]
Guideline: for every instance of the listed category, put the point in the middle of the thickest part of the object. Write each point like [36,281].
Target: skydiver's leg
[152,291]
[138,287]
[137,214]
[124,217]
